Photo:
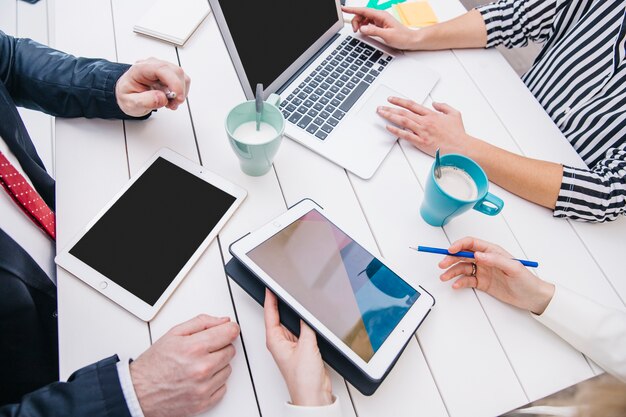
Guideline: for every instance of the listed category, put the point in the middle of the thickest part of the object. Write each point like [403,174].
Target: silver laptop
[330,80]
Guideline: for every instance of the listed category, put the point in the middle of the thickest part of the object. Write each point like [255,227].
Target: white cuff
[332,410]
[594,329]
[123,372]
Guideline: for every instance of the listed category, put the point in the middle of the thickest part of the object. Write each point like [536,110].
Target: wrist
[117,91]
[468,146]
[418,39]
[138,380]
[126,382]
[542,297]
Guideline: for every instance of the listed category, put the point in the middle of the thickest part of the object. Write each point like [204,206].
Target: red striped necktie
[26,197]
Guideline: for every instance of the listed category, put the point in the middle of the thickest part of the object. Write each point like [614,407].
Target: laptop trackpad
[368,113]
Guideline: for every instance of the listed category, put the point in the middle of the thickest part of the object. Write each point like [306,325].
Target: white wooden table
[473,356]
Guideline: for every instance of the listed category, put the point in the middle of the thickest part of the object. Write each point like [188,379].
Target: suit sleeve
[513,23]
[594,329]
[44,79]
[91,391]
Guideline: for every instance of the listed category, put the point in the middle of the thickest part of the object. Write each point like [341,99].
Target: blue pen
[463,254]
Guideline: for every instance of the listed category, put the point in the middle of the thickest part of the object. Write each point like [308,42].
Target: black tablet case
[291,320]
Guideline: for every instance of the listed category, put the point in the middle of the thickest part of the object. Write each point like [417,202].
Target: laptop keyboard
[321,101]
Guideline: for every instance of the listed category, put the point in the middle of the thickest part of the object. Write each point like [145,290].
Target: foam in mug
[247,133]
[457,183]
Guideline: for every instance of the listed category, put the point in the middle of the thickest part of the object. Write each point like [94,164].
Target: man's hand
[185,372]
[143,87]
[299,360]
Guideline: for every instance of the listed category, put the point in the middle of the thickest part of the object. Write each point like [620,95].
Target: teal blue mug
[255,153]
[462,186]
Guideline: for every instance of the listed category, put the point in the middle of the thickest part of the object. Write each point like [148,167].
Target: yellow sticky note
[416,14]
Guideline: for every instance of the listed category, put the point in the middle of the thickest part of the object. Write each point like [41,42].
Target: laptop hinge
[306,64]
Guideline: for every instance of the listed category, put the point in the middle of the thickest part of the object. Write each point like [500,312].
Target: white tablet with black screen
[349,296]
[145,240]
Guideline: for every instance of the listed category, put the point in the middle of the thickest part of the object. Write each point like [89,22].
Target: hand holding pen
[466,254]
[495,272]
[149,85]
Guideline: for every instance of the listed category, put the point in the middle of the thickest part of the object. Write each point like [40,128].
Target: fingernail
[479,255]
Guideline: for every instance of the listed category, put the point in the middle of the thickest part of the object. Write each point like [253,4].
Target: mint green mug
[255,150]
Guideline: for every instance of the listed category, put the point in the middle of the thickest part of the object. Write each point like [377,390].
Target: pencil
[464,254]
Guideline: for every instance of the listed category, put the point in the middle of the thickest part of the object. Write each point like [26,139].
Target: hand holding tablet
[347,295]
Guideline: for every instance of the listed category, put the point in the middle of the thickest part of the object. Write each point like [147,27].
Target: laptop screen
[271,35]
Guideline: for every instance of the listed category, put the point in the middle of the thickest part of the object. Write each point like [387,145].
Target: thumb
[373,30]
[507,265]
[307,335]
[142,103]
[444,108]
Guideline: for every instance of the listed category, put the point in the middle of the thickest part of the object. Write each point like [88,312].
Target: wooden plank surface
[500,114]
[90,326]
[209,101]
[511,327]
[91,168]
[469,338]
[8,17]
[205,289]
[457,328]
[329,186]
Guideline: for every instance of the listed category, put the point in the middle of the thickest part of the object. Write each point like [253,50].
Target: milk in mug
[248,134]
[457,183]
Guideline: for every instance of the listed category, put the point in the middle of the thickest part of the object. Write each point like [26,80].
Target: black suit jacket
[37,77]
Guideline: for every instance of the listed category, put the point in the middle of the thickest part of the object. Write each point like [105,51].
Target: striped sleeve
[515,22]
[596,195]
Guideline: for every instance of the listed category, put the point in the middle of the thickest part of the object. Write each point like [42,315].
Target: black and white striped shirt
[580,80]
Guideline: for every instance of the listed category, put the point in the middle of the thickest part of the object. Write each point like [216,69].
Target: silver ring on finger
[474,268]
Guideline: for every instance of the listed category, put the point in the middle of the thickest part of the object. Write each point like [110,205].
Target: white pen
[169,94]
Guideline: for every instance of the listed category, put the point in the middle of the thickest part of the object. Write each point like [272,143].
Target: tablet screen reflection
[344,286]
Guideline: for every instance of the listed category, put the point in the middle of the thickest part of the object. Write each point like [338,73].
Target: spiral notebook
[173,21]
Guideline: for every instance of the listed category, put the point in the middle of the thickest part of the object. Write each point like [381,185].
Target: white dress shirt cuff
[332,410]
[594,329]
[123,371]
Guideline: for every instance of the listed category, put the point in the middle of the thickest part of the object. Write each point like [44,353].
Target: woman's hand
[497,274]
[381,25]
[426,129]
[298,359]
